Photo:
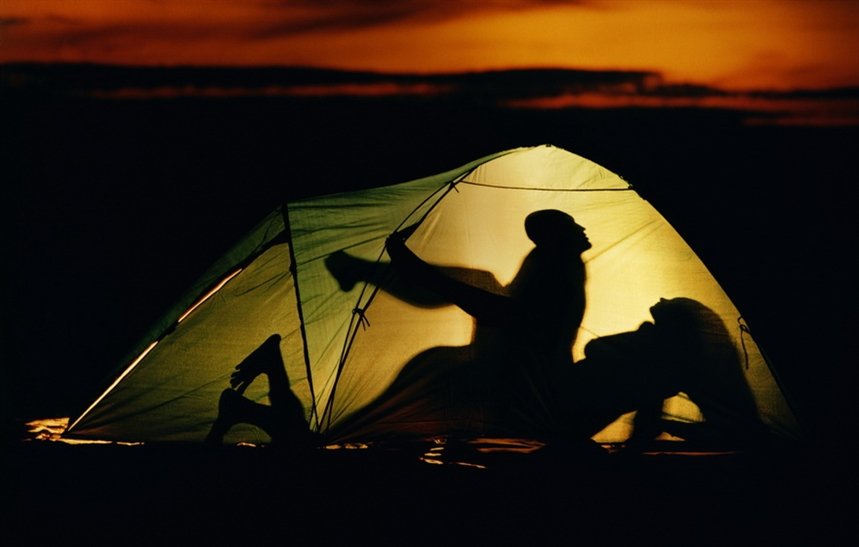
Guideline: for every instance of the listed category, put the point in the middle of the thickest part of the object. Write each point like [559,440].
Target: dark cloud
[50,19]
[307,16]
[13,21]
[57,32]
[279,18]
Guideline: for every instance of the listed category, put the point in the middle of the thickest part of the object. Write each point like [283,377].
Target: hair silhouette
[686,349]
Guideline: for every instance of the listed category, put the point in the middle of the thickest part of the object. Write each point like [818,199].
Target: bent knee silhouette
[283,420]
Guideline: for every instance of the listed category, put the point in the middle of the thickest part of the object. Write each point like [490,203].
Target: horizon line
[524,88]
[656,78]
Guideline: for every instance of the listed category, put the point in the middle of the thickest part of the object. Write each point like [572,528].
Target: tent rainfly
[314,279]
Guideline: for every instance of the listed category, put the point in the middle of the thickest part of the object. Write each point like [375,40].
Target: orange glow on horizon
[735,45]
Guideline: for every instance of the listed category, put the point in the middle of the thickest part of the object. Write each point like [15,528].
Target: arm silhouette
[349,270]
[484,305]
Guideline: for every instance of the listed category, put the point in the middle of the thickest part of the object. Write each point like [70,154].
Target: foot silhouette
[339,264]
[261,361]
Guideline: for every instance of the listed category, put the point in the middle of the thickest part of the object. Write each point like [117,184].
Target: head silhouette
[553,229]
[688,323]
[688,318]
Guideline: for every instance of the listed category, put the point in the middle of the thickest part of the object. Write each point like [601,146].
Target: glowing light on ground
[52,429]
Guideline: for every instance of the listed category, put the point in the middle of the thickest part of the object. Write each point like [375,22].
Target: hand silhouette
[395,244]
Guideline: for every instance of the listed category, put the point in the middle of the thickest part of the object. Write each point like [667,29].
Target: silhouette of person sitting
[283,421]
[521,373]
[686,349]
[521,333]
[518,376]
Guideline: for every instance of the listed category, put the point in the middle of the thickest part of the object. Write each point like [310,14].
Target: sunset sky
[731,44]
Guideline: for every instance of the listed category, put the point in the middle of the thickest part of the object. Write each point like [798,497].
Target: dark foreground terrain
[57,494]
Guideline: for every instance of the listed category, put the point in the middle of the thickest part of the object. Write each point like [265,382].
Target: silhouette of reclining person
[521,332]
[685,349]
[283,421]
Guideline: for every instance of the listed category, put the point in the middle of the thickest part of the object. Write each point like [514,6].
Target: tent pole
[293,269]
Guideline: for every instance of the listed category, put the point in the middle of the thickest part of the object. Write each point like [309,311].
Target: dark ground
[113,207]
[149,495]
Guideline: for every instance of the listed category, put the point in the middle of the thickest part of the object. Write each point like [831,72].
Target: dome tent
[343,346]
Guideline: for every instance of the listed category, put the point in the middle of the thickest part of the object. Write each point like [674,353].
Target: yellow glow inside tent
[471,218]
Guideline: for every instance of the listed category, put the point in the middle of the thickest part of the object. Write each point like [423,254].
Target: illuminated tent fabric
[343,348]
